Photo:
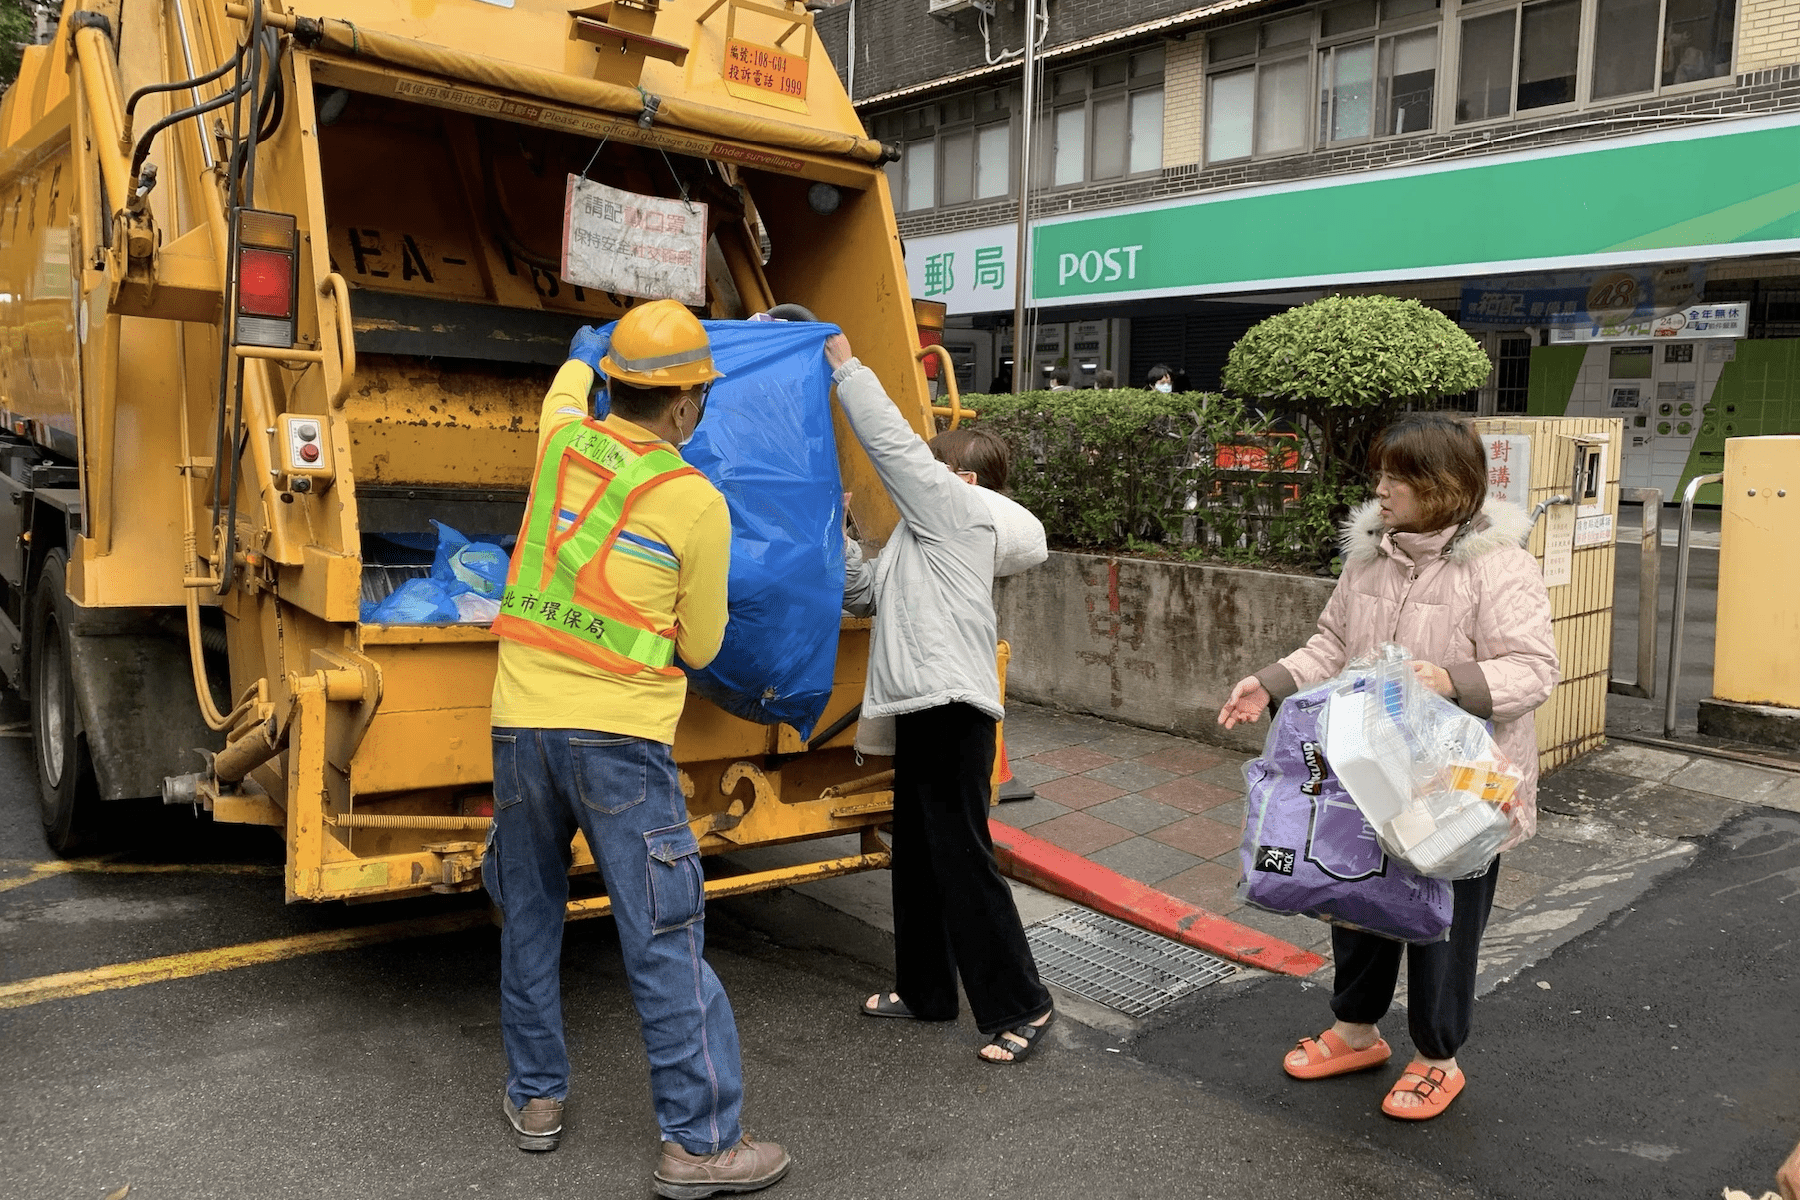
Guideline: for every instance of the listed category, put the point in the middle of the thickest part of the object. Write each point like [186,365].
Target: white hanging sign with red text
[1509,467]
[632,245]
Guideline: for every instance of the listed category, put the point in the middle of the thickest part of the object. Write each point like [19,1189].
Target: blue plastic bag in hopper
[767,444]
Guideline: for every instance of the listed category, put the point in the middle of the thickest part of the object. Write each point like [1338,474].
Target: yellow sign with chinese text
[765,74]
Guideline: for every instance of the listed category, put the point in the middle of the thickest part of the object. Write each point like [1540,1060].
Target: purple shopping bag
[1307,848]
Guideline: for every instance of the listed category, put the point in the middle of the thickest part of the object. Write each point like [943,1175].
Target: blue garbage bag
[478,566]
[767,444]
[415,602]
[459,569]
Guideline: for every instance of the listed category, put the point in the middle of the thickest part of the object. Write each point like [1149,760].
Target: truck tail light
[268,251]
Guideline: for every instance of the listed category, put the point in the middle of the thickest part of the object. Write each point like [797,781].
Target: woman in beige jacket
[1432,565]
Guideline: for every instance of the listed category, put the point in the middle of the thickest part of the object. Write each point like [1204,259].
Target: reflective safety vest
[557,597]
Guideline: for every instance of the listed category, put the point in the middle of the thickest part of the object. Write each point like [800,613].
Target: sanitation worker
[620,567]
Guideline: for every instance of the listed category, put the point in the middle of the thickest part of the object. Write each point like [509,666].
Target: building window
[1512,374]
[1484,76]
[1528,57]
[1407,82]
[920,162]
[1070,147]
[1104,121]
[1366,69]
[1346,92]
[954,152]
[1641,44]
[1548,41]
[1230,105]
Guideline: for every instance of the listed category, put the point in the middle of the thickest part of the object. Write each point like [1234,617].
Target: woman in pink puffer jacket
[1432,565]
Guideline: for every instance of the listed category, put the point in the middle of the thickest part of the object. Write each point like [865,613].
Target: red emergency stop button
[309,452]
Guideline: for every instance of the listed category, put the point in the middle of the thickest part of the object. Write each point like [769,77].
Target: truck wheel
[67,792]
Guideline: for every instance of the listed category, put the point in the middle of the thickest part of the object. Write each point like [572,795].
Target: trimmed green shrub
[1136,469]
[1349,365]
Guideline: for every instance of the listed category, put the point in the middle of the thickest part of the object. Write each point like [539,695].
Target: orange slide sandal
[1328,1054]
[1434,1087]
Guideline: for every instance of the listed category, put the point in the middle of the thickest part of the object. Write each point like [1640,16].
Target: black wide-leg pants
[1440,977]
[953,913]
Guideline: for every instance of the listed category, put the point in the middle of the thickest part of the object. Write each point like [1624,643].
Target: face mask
[1163,386]
[699,416]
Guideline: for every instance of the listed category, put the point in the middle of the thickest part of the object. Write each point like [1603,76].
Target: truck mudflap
[134,693]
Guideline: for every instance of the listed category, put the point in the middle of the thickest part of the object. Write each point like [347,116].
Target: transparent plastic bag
[1436,789]
[1307,848]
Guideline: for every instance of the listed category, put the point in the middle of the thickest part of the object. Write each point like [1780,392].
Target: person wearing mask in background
[620,567]
[1059,380]
[932,700]
[1160,379]
[1105,380]
[1433,565]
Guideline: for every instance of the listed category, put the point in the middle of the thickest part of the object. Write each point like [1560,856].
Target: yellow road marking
[7,885]
[203,962]
[100,866]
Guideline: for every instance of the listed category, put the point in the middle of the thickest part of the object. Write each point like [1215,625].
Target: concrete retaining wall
[1157,644]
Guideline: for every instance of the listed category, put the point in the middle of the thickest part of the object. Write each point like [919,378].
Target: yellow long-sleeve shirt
[670,564]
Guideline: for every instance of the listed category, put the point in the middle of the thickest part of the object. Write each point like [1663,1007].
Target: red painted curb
[1041,864]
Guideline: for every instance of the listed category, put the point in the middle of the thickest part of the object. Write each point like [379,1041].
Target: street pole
[1023,342]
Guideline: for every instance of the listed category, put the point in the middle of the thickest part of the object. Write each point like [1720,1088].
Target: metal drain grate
[1118,965]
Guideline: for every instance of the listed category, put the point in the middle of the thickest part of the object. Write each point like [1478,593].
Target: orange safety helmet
[660,344]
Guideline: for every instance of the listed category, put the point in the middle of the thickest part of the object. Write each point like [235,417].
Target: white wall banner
[1720,320]
[633,245]
[968,272]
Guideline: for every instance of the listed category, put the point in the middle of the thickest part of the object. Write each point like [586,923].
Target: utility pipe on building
[1024,343]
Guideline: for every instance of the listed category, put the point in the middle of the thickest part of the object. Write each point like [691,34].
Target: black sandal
[888,1004]
[1027,1033]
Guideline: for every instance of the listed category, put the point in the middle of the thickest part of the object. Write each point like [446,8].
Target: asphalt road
[1655,1056]
[376,1071]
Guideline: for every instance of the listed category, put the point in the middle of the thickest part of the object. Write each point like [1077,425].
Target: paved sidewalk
[1167,811]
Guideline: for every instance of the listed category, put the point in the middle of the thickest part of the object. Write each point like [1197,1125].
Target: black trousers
[953,913]
[1440,977]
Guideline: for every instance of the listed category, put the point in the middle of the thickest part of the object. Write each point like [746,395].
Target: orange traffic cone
[1010,788]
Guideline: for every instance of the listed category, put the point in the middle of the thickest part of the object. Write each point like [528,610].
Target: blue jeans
[625,795]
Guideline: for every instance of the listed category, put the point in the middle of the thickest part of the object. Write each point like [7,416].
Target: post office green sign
[1723,191]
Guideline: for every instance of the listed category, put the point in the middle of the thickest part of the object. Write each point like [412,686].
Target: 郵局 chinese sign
[634,245]
[764,67]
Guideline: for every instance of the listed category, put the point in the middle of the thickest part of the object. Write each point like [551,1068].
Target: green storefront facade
[1706,193]
[1728,190]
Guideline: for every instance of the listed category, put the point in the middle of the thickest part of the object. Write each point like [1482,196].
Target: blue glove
[587,346]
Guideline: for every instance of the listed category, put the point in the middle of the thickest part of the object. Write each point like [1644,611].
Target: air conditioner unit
[947,8]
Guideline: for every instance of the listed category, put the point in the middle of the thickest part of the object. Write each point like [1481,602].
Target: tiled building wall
[1769,34]
[1184,85]
[899,46]
[1766,91]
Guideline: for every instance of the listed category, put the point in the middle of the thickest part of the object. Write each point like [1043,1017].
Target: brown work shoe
[746,1167]
[537,1126]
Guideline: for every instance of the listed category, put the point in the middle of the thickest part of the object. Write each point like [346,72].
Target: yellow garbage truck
[277,285]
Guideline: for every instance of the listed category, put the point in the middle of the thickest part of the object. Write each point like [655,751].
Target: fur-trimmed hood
[1499,524]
